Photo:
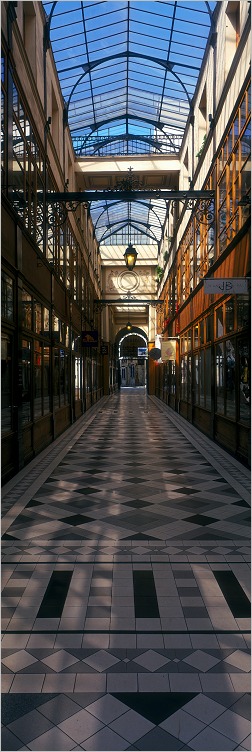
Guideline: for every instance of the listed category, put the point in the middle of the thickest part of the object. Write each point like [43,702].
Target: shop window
[46,320]
[172,376]
[6,385]
[201,379]
[229,316]
[244,381]
[7,297]
[219,377]
[67,382]
[56,378]
[196,336]
[209,328]
[230,378]
[37,375]
[243,312]
[62,375]
[196,379]
[202,332]
[26,381]
[26,310]
[46,380]
[183,379]
[208,378]
[219,322]
[3,119]
[37,317]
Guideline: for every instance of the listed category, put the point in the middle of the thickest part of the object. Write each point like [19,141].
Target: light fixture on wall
[128,326]
[130,254]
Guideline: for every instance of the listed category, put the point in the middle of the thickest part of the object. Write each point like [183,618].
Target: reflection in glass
[219,366]
[219,322]
[244,380]
[230,379]
[46,381]
[208,377]
[37,380]
[26,381]
[6,389]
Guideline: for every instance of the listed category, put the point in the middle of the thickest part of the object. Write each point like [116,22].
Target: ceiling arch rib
[128,72]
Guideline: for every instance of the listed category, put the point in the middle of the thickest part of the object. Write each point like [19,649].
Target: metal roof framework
[128,72]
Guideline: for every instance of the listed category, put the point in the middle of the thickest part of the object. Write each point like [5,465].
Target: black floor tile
[77,519]
[56,592]
[201,519]
[233,593]
[155,706]
[13,706]
[145,598]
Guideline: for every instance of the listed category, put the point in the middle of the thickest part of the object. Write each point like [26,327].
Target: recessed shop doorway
[133,355]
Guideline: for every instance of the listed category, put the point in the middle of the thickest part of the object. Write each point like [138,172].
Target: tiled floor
[126,583]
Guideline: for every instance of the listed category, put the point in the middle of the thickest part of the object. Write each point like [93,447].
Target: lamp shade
[128,326]
[130,256]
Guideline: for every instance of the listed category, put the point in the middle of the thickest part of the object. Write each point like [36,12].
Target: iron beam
[90,196]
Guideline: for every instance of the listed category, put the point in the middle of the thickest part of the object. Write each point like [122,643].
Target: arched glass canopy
[128,72]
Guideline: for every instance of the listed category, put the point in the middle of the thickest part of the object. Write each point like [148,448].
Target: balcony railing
[121,145]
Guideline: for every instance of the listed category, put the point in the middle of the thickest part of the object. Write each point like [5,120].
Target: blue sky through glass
[128,72]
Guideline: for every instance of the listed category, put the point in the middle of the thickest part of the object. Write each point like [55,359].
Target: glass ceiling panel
[128,72]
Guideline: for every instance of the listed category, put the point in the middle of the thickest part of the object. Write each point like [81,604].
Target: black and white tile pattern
[126,581]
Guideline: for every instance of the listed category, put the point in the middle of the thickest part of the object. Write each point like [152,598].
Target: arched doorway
[132,357]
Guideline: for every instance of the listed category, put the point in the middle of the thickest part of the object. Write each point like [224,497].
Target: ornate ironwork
[130,183]
[58,212]
[202,208]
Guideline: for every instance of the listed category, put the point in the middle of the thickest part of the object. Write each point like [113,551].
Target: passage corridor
[126,588]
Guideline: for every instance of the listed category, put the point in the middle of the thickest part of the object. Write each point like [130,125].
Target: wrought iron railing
[127,144]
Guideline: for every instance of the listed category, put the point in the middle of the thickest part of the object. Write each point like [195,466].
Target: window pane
[6,375]
[208,377]
[219,365]
[46,381]
[37,317]
[219,322]
[202,379]
[243,312]
[196,380]
[37,380]
[183,377]
[26,381]
[230,379]
[26,310]
[56,378]
[244,377]
[229,307]
[62,377]
[7,297]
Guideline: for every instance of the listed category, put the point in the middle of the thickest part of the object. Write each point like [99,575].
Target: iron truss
[61,203]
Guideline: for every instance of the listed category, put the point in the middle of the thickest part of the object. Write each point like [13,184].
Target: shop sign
[226,285]
[89,338]
[168,349]
[104,349]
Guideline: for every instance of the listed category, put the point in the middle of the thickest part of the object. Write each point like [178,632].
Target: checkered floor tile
[126,581]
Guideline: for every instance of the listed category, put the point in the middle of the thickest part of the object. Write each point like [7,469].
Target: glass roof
[128,72]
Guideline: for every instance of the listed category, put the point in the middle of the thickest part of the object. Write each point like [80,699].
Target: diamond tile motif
[151,660]
[136,646]
[101,660]
[60,660]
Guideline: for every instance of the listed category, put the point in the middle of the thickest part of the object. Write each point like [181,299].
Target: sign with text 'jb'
[226,286]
